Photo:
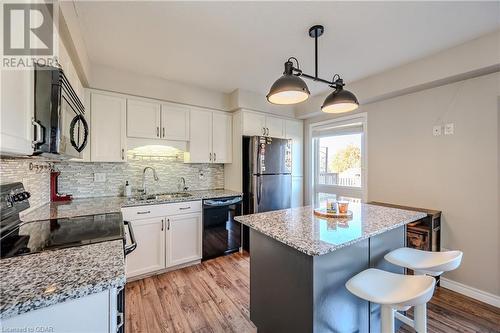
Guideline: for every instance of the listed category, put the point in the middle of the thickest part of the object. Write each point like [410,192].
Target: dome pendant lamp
[291,89]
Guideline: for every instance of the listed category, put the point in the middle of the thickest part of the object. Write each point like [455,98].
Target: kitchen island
[299,264]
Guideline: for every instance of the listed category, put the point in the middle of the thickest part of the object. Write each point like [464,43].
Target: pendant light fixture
[291,89]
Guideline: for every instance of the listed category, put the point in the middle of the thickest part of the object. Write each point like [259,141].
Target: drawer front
[149,211]
[143,212]
[184,207]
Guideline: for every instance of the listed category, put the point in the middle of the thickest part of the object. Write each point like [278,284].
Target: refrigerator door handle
[259,189]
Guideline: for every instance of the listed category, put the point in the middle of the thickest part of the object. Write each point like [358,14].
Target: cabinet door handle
[215,157]
[39,134]
[267,129]
[144,212]
[184,208]
[263,131]
[168,225]
[162,224]
[210,157]
[123,154]
[157,131]
[163,131]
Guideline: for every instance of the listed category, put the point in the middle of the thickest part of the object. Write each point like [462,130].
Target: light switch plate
[449,129]
[99,177]
[436,130]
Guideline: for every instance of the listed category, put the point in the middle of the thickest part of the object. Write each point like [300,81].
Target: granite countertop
[38,280]
[312,235]
[103,205]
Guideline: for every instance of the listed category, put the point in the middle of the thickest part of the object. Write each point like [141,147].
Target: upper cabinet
[275,127]
[108,123]
[263,125]
[152,120]
[143,119]
[210,137]
[222,138]
[116,117]
[253,124]
[174,122]
[16,103]
[200,141]
[294,131]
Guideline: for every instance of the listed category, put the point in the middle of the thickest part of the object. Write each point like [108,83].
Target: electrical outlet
[99,177]
[449,129]
[436,130]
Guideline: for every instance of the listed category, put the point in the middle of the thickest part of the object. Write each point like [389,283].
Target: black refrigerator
[267,174]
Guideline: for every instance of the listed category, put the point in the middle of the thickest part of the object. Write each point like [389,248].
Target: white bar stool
[394,292]
[425,262]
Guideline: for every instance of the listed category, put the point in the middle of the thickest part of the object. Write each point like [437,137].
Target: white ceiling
[227,45]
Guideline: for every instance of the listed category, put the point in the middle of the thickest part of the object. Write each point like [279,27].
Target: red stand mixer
[54,194]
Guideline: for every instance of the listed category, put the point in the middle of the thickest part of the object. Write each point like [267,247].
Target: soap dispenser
[128,189]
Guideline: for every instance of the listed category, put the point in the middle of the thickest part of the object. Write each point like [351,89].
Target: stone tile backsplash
[36,181]
[77,178]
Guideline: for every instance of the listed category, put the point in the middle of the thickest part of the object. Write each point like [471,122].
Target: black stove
[21,238]
[37,236]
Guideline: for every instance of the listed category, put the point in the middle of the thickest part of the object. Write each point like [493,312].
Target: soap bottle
[128,189]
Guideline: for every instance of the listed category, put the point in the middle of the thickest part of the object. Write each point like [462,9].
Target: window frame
[345,191]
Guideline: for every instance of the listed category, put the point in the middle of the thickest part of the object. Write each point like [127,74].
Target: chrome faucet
[155,177]
[181,185]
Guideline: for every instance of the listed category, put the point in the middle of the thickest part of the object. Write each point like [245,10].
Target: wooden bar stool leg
[387,318]
[420,318]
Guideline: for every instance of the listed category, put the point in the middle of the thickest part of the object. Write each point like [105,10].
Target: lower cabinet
[92,313]
[149,255]
[167,235]
[183,239]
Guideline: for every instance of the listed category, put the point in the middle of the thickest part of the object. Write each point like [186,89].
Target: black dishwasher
[221,233]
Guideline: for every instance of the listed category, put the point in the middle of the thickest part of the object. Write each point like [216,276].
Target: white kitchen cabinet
[143,119]
[167,235]
[275,127]
[91,313]
[254,123]
[294,131]
[151,120]
[184,242]
[17,111]
[200,139]
[222,138]
[260,124]
[297,199]
[108,128]
[210,137]
[174,122]
[149,255]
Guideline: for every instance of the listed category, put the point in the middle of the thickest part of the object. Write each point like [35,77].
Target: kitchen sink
[162,196]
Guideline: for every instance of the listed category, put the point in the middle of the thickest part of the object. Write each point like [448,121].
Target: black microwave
[60,128]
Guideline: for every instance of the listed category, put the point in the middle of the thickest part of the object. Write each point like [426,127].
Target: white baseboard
[471,292]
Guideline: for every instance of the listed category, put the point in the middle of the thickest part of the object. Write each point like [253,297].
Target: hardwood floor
[214,297]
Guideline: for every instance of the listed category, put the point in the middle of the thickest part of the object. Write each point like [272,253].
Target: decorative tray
[323,213]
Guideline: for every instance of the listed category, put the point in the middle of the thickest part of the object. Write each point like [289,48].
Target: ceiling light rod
[290,88]
[315,32]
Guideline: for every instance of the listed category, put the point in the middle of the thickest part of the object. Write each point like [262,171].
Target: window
[339,159]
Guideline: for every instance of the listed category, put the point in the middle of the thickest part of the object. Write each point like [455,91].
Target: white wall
[474,58]
[457,174]
[111,79]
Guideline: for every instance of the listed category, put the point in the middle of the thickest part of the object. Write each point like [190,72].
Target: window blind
[337,129]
